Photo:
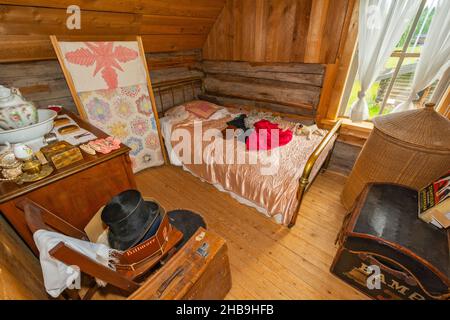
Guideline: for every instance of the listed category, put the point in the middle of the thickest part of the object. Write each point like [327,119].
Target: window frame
[400,54]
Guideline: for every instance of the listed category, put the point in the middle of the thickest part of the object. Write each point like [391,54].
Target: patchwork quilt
[126,113]
[110,80]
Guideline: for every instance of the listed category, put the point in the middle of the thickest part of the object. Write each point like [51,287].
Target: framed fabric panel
[111,87]
[103,65]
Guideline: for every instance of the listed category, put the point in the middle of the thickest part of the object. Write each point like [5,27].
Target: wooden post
[152,97]
[69,79]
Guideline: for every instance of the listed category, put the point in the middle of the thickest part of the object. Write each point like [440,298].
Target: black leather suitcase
[387,252]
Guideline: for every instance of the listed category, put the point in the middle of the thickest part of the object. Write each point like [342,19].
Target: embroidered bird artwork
[105,56]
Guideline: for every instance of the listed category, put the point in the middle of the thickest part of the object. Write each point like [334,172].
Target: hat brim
[125,243]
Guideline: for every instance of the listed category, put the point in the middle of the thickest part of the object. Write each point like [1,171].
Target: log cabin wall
[173,34]
[273,53]
[307,31]
[262,53]
[165,25]
[282,87]
[43,82]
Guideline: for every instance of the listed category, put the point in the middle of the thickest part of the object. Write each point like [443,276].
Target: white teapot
[15,111]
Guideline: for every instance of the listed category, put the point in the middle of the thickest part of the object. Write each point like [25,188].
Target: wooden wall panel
[165,25]
[311,74]
[278,31]
[301,30]
[27,48]
[263,31]
[19,20]
[336,74]
[280,21]
[334,29]
[185,8]
[283,87]
[20,271]
[43,81]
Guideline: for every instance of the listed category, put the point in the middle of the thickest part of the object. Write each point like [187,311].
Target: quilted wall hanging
[110,85]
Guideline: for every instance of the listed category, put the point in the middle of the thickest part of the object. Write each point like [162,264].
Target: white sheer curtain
[381,25]
[435,55]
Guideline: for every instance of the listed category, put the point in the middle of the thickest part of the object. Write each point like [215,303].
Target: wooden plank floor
[268,261]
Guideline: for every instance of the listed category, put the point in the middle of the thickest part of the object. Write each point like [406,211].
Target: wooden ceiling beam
[188,8]
[19,20]
[165,25]
[29,48]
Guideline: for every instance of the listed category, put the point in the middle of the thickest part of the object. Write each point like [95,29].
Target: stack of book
[434,202]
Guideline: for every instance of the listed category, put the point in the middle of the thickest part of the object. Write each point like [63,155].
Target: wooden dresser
[75,192]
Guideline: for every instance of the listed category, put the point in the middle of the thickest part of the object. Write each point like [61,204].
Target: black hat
[130,218]
[187,222]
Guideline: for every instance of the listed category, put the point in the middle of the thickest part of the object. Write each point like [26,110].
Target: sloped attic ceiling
[165,25]
[249,30]
[307,31]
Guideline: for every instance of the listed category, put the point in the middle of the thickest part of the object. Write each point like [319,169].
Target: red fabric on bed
[263,136]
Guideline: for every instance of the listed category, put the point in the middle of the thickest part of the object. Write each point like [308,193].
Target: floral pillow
[126,113]
[201,109]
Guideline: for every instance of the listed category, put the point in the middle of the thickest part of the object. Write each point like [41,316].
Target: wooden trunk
[190,276]
[383,232]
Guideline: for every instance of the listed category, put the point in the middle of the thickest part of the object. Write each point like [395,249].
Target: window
[393,85]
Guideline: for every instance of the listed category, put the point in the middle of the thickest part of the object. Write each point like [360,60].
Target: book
[443,216]
[434,202]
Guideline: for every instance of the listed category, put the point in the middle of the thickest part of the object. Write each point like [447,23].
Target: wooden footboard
[305,178]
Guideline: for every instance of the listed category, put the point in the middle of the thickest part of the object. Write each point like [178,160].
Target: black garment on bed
[239,122]
[187,222]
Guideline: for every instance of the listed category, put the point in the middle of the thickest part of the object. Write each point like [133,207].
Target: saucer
[46,170]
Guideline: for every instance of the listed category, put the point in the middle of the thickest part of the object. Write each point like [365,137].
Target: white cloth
[435,55]
[57,275]
[381,25]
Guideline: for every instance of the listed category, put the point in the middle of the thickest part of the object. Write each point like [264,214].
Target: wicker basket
[410,148]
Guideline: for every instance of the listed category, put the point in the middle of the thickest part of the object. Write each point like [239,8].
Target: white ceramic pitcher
[15,111]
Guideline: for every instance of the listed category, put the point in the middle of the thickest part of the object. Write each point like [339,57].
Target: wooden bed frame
[305,180]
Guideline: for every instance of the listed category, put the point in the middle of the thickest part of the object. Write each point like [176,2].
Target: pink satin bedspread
[271,183]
